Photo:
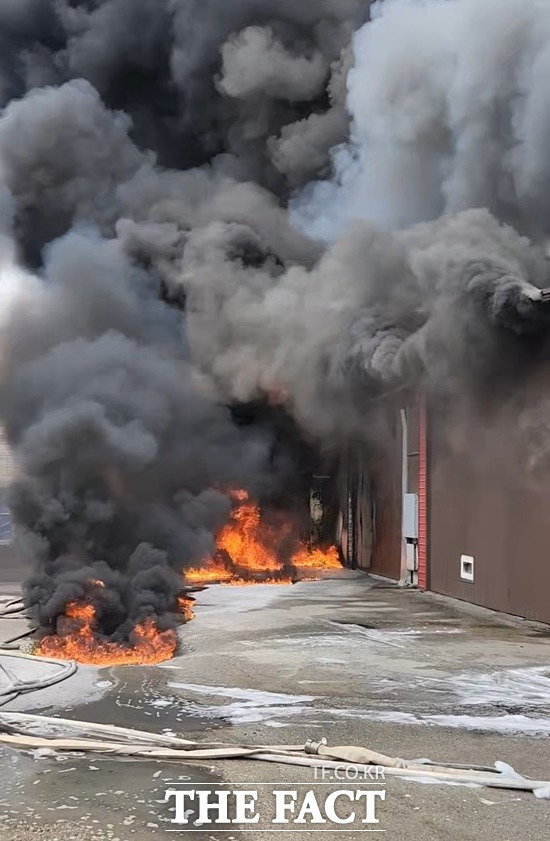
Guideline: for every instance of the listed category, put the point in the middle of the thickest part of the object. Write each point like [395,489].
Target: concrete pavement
[354,659]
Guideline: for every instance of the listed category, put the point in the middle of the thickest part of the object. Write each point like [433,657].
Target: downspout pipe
[403,580]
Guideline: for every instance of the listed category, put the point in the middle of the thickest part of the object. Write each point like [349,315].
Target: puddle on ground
[158,712]
[89,796]
[124,800]
[112,798]
[140,699]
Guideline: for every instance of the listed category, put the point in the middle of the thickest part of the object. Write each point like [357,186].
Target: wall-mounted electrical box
[467,564]
[410,516]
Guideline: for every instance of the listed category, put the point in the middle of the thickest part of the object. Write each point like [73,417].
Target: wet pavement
[80,796]
[110,798]
[349,658]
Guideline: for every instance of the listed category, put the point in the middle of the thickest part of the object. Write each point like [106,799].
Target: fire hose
[12,608]
[16,731]
[16,686]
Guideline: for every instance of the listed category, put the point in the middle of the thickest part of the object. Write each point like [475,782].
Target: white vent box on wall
[467,565]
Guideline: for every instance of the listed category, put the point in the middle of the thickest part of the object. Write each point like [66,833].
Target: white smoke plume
[450,110]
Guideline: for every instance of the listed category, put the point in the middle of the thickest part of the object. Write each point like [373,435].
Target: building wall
[475,498]
[387,492]
[6,475]
[370,498]
[361,513]
[6,461]
[422,549]
[481,504]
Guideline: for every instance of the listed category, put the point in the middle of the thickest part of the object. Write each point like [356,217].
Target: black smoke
[175,175]
[124,459]
[126,125]
[195,79]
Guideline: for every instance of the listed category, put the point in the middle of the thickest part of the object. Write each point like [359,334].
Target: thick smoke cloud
[63,156]
[123,458]
[450,110]
[446,303]
[282,75]
[176,66]
[151,149]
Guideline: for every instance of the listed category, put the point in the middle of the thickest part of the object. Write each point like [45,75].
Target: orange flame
[77,640]
[248,554]
[186,608]
[245,541]
[214,571]
[317,558]
[250,545]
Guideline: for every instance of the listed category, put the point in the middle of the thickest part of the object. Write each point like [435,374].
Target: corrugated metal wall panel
[7,470]
[6,461]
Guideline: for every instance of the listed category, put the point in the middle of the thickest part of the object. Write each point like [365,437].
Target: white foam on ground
[511,686]
[352,637]
[247,706]
[399,637]
[510,724]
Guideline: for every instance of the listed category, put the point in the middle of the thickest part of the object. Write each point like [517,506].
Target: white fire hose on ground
[19,731]
[15,686]
[12,608]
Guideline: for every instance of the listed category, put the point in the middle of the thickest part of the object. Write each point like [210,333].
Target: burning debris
[250,550]
[77,638]
[168,252]
[186,606]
